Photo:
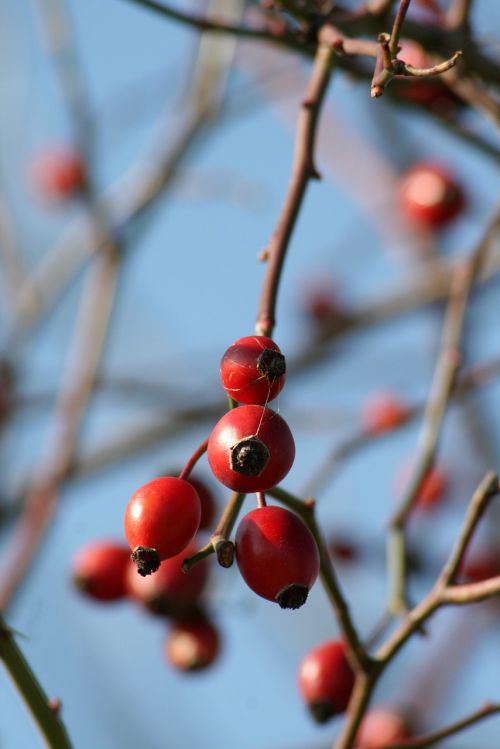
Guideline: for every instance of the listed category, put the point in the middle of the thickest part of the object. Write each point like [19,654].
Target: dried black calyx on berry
[292,596]
[271,364]
[146,559]
[321,710]
[249,456]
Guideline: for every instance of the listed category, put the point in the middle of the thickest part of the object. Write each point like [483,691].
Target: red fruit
[430,196]
[320,300]
[326,680]
[277,556]
[433,489]
[57,173]
[169,591]
[192,644]
[208,505]
[100,568]
[251,449]
[482,566]
[253,370]
[381,727]
[161,518]
[383,412]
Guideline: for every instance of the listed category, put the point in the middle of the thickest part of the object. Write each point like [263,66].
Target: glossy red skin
[240,376]
[383,412]
[274,549]
[169,588]
[57,173]
[192,644]
[246,421]
[164,514]
[433,490]
[381,727]
[325,675]
[100,568]
[418,205]
[208,504]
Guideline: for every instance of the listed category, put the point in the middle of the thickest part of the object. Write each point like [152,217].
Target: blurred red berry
[192,644]
[207,500]
[382,412]
[277,555]
[253,370]
[161,518]
[381,727]
[326,680]
[433,490]
[429,196]
[57,173]
[100,568]
[482,565]
[169,590]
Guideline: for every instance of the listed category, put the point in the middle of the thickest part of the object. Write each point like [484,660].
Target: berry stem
[261,499]
[37,702]
[201,450]
[303,170]
[219,543]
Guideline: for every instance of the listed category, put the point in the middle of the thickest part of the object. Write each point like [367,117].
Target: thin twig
[420,742]
[447,368]
[221,26]
[48,721]
[303,170]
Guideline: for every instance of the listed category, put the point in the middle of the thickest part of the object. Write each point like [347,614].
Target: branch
[219,542]
[47,719]
[420,742]
[220,26]
[447,367]
[303,170]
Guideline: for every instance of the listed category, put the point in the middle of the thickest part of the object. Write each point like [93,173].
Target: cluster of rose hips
[250,450]
[104,571]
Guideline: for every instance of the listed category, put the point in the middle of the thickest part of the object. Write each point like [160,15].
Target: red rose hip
[326,680]
[277,555]
[429,196]
[253,370]
[192,644]
[161,518]
[169,591]
[251,449]
[100,568]
[381,727]
[57,173]
[382,412]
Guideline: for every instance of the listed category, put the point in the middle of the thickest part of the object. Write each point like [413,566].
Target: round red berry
[251,449]
[430,196]
[161,518]
[169,590]
[100,568]
[433,489]
[207,500]
[192,644]
[326,680]
[57,173]
[252,370]
[381,727]
[277,555]
[383,412]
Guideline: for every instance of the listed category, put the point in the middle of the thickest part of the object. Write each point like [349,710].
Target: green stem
[37,702]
